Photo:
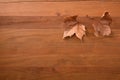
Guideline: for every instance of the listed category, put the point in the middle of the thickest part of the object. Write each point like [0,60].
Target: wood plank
[14,1]
[35,47]
[32,48]
[42,54]
[44,22]
[82,8]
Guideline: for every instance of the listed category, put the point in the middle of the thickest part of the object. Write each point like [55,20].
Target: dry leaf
[106,31]
[102,26]
[78,30]
[101,29]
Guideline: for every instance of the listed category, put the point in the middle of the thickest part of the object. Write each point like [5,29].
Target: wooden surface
[51,0]
[81,8]
[42,54]
[32,48]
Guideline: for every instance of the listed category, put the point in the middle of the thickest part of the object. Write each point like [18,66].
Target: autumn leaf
[101,29]
[106,31]
[78,30]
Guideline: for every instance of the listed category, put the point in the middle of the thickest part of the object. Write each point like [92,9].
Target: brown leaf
[78,30]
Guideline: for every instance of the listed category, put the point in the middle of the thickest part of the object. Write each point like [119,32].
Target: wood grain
[14,1]
[32,48]
[81,8]
[28,54]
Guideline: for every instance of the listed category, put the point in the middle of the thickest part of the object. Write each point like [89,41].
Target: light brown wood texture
[81,8]
[51,0]
[32,48]
[36,51]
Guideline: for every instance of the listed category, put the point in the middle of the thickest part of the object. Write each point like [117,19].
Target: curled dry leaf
[101,29]
[101,26]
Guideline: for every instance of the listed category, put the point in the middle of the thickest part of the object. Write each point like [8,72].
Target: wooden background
[32,48]
[81,8]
